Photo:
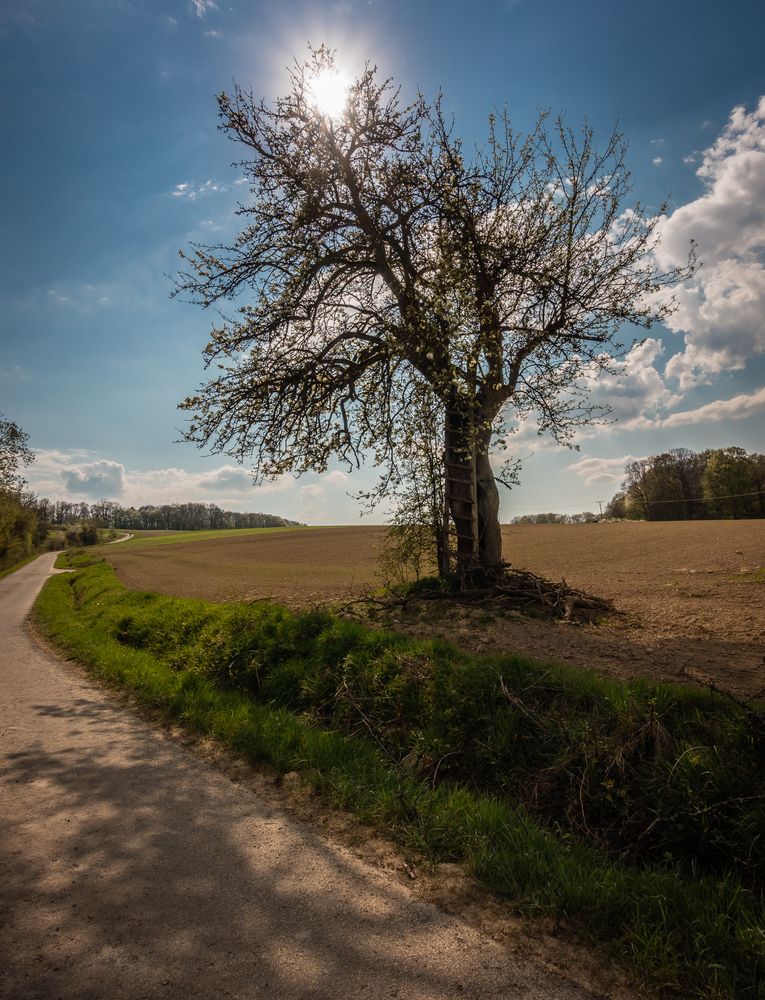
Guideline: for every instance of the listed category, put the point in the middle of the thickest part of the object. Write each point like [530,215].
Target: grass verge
[368,719]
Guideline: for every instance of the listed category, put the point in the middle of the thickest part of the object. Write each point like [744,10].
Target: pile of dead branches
[514,589]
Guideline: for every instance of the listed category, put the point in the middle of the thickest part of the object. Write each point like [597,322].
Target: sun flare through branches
[328,92]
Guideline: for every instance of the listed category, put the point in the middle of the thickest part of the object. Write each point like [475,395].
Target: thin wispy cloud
[737,408]
[14,374]
[200,7]
[601,471]
[191,191]
[85,296]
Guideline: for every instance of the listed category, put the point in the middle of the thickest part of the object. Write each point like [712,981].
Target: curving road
[129,868]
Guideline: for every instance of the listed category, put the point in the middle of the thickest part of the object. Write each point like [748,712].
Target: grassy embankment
[634,812]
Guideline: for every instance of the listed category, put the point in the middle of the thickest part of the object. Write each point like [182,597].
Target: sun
[328,92]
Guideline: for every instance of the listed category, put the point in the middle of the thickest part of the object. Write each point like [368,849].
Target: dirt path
[130,868]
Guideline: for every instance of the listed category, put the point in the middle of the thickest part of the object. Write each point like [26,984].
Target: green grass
[756,576]
[441,749]
[146,541]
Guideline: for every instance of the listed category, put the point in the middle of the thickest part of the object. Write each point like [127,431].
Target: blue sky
[112,162]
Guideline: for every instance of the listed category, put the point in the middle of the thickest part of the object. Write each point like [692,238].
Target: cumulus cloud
[721,311]
[66,475]
[229,485]
[633,395]
[229,477]
[637,388]
[102,478]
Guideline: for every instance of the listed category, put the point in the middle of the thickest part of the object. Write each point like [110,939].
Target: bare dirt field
[690,606]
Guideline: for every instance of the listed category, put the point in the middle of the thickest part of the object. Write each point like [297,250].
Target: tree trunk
[489,534]
[472,497]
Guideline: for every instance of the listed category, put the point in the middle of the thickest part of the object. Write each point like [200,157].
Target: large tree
[381,264]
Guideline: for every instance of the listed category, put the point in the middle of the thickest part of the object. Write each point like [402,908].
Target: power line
[578,506]
[726,496]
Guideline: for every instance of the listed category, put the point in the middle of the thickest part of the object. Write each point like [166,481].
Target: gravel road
[130,868]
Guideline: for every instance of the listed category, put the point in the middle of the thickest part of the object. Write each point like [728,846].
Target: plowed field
[692,607]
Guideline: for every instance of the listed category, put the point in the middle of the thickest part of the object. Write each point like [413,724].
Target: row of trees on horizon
[29,525]
[148,517]
[682,485]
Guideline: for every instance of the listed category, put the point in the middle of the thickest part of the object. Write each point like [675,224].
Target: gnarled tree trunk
[472,498]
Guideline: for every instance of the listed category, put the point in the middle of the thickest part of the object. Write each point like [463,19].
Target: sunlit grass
[146,541]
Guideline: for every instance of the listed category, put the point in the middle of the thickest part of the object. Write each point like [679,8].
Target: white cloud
[657,161]
[601,471]
[192,191]
[633,395]
[101,478]
[737,408]
[200,7]
[229,477]
[636,388]
[721,311]
[84,297]
[213,34]
[66,475]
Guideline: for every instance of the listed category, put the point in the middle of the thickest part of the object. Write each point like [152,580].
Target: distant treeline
[167,517]
[30,525]
[681,484]
[586,518]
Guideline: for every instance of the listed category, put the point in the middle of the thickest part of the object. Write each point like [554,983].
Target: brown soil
[298,568]
[689,607]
